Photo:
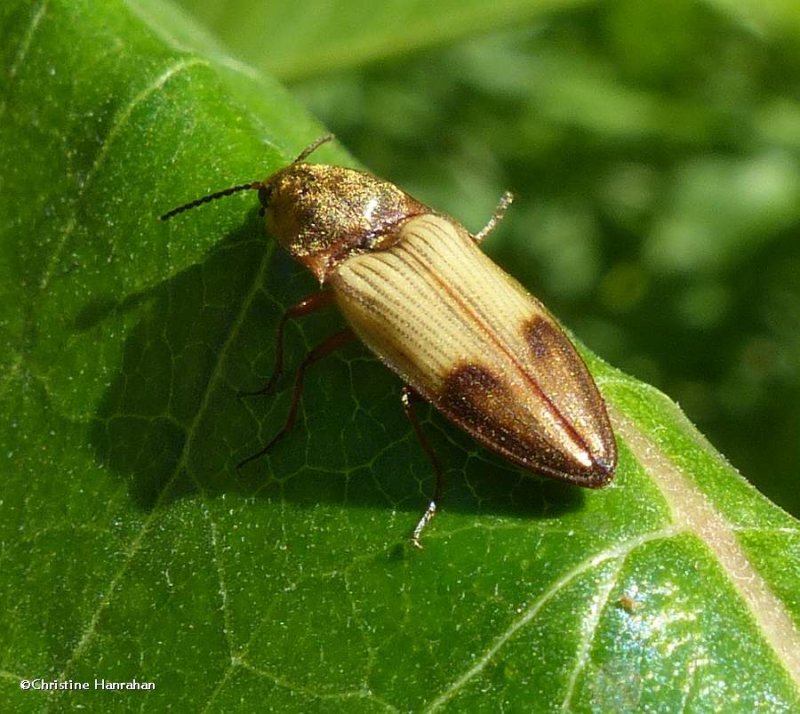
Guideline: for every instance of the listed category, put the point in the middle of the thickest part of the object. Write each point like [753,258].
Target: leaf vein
[591,621]
[191,435]
[25,44]
[620,550]
[119,124]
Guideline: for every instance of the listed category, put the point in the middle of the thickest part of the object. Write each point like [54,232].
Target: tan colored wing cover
[479,347]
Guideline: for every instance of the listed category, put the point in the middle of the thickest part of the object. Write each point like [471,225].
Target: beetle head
[322,214]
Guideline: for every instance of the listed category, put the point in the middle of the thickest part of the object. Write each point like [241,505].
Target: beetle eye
[264,194]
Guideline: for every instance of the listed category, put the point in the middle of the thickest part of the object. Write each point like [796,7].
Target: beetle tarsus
[408,396]
[502,206]
[427,517]
[261,452]
[267,390]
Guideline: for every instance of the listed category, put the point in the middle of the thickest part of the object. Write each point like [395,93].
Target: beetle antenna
[252,186]
[311,148]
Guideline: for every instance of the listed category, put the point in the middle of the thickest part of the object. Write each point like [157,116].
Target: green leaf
[133,549]
[320,36]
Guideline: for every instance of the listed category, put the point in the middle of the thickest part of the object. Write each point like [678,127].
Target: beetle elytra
[462,334]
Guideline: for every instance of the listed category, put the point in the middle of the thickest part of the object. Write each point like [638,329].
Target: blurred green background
[654,149]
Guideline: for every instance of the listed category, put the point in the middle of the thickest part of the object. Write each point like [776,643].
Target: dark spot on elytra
[469,386]
[543,337]
[479,400]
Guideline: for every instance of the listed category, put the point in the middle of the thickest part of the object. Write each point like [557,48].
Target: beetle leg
[312,303]
[332,343]
[408,397]
[502,206]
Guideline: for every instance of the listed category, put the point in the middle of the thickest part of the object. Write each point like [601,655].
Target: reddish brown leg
[329,345]
[312,303]
[408,397]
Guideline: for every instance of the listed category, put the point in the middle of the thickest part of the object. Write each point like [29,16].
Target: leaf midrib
[694,512]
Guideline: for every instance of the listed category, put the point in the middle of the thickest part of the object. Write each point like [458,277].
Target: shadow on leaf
[172,424]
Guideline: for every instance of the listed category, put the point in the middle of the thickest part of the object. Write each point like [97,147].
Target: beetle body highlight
[415,287]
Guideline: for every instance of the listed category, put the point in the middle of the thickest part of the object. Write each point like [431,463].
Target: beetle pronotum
[462,334]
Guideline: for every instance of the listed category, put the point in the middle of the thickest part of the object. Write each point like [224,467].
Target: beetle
[415,287]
